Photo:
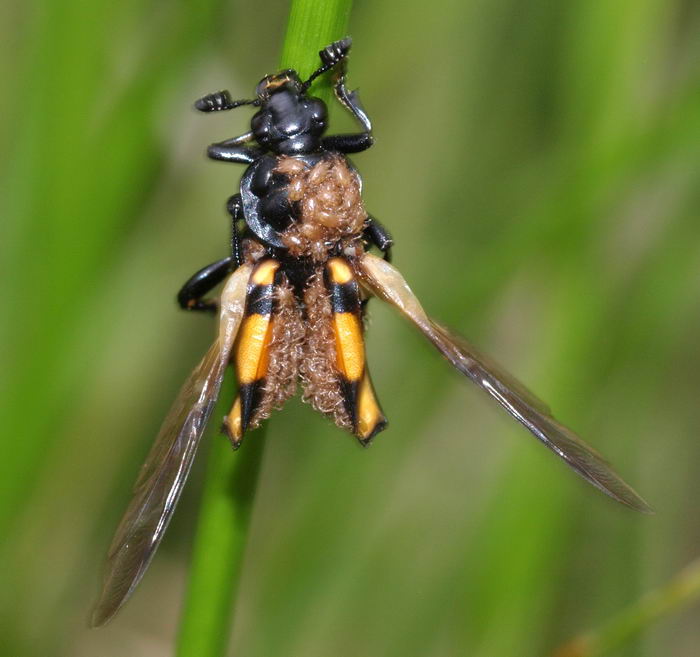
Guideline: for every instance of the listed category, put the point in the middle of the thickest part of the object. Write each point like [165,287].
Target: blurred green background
[538,164]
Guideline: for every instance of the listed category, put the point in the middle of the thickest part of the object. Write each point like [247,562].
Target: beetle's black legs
[230,150]
[336,53]
[376,234]
[190,296]
[235,208]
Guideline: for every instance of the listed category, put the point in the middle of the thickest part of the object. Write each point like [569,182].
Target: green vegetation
[548,209]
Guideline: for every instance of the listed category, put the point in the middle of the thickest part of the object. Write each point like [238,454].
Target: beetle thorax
[329,209]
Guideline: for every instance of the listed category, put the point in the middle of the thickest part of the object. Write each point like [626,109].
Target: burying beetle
[291,310]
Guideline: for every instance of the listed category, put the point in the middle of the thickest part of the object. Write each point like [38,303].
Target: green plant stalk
[231,478]
[312,25]
[219,544]
[681,591]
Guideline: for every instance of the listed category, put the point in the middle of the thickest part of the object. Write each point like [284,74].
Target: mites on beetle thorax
[328,206]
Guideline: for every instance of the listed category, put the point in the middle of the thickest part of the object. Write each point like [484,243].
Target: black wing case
[386,282]
[168,464]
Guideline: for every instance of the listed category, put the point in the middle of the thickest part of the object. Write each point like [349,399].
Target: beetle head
[288,121]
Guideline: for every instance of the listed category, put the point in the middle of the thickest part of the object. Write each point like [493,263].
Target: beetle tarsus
[335,52]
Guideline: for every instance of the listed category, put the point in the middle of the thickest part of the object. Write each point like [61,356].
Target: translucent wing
[386,282]
[168,464]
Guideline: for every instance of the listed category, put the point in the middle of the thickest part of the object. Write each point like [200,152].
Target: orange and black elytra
[290,312]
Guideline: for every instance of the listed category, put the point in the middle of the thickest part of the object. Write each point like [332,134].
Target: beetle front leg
[230,150]
[190,296]
[351,99]
[376,234]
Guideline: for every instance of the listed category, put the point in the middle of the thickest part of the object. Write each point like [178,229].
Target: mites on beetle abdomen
[285,351]
[328,204]
[318,371]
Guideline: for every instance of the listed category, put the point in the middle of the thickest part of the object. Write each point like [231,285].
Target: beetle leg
[351,100]
[235,208]
[230,150]
[376,234]
[335,55]
[190,295]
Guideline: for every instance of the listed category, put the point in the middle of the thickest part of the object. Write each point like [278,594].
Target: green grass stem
[231,478]
[681,591]
[220,541]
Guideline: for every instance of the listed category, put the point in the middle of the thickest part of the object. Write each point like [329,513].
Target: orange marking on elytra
[350,346]
[369,414]
[251,348]
[340,271]
[264,273]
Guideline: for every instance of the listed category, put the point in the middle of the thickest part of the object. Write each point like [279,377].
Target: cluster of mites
[329,206]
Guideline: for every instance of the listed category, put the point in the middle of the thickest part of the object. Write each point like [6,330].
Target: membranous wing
[168,464]
[385,281]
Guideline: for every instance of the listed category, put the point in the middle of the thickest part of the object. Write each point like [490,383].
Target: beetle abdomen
[317,339]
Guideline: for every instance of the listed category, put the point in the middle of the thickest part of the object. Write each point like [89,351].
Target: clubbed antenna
[219,101]
[330,56]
